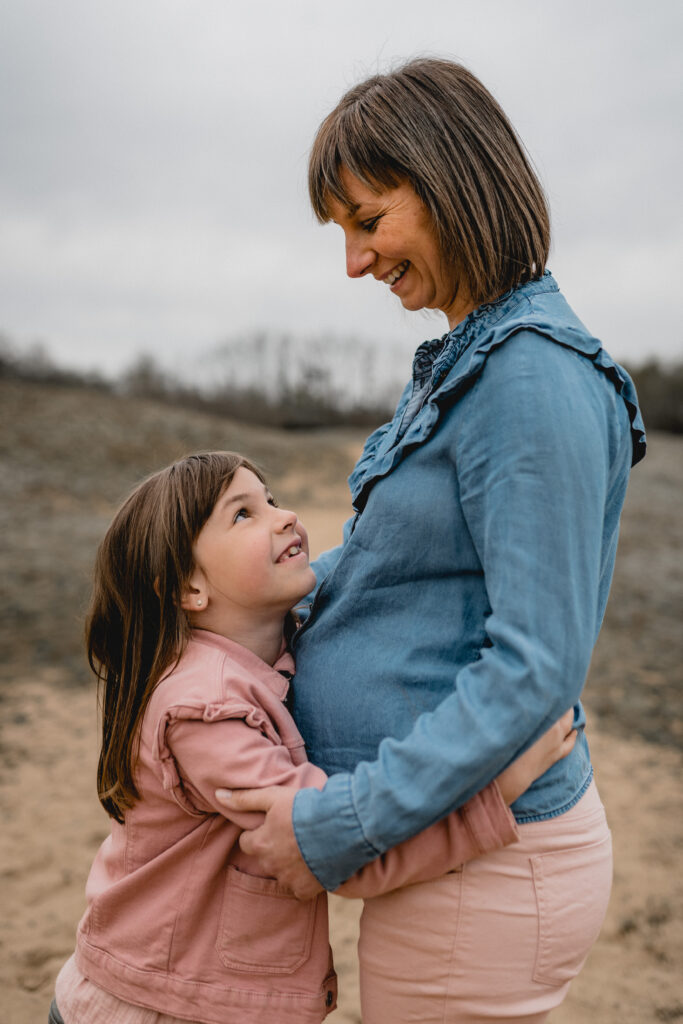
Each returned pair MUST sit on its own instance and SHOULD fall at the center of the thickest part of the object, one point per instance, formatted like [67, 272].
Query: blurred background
[164, 287]
[153, 178]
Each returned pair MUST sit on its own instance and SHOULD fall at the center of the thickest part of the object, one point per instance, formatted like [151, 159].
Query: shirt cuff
[329, 833]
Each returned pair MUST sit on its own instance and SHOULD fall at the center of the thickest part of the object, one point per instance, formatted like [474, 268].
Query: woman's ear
[195, 596]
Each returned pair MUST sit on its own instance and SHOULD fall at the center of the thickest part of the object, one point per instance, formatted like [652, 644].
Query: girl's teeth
[393, 277]
[293, 550]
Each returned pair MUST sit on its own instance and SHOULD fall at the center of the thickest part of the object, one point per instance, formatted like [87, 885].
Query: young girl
[194, 583]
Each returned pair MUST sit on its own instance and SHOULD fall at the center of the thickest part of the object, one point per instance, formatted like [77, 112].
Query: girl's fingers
[568, 743]
[566, 722]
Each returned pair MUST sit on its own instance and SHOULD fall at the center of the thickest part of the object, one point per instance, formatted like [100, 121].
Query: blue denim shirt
[456, 622]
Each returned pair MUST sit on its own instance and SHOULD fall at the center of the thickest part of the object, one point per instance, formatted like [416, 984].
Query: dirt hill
[67, 457]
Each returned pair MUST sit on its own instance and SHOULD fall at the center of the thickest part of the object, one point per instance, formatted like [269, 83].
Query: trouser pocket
[572, 889]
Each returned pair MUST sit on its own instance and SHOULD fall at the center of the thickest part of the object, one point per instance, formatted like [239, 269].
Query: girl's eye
[241, 514]
[273, 501]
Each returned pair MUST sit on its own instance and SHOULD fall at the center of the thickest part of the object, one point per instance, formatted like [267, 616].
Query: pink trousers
[498, 940]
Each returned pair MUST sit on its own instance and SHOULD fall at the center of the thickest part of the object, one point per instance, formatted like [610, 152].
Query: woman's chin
[412, 305]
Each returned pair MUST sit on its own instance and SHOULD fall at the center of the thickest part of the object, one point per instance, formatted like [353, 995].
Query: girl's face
[390, 235]
[251, 557]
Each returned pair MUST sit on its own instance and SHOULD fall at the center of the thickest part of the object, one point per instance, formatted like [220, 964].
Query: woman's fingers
[248, 799]
[273, 842]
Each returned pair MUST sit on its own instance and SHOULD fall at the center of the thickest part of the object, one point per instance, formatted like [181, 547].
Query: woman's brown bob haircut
[433, 124]
[136, 628]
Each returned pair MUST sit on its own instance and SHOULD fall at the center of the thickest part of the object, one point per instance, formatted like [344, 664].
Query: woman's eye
[370, 225]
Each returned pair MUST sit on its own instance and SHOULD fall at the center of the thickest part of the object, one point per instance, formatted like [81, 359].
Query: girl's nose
[287, 520]
[359, 257]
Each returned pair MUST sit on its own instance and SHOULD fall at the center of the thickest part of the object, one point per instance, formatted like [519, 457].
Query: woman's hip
[499, 939]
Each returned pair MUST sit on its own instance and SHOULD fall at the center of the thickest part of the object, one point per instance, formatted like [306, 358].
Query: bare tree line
[296, 384]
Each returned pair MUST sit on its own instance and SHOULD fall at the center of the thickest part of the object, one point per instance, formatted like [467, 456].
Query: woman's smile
[397, 274]
[390, 235]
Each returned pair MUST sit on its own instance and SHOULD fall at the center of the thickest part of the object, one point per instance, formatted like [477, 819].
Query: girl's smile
[292, 551]
[251, 564]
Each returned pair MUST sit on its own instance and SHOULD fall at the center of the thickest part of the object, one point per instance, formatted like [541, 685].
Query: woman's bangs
[347, 144]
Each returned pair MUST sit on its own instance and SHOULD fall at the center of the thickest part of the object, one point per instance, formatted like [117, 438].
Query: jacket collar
[276, 677]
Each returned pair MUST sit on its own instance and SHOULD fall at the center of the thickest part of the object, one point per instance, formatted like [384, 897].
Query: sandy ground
[53, 822]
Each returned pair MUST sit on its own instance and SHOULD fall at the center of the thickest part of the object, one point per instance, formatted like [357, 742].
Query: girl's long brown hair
[136, 628]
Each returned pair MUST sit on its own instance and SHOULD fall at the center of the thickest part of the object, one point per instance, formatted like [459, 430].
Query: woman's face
[390, 235]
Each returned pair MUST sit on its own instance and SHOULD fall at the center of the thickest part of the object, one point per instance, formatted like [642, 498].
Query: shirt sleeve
[232, 754]
[483, 824]
[530, 442]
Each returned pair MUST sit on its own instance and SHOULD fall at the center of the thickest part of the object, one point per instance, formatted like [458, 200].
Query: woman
[458, 618]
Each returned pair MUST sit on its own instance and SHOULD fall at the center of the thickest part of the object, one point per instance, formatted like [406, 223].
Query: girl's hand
[555, 744]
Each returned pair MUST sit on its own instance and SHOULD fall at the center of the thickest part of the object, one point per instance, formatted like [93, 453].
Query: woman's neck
[456, 313]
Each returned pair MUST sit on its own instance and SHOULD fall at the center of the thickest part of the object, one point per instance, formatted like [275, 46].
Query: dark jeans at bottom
[54, 1016]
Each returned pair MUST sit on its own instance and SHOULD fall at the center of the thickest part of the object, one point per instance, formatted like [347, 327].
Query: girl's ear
[195, 596]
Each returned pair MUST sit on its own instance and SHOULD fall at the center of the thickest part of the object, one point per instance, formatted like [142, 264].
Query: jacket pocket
[572, 892]
[263, 929]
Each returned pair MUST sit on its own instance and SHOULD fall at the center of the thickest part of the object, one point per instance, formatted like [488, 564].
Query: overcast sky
[153, 164]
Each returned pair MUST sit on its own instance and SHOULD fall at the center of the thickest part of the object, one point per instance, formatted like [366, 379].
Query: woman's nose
[359, 257]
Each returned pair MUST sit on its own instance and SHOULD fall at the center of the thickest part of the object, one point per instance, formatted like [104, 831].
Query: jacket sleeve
[201, 756]
[483, 824]
[233, 754]
[536, 441]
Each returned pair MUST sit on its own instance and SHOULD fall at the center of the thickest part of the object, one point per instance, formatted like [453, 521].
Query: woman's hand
[273, 843]
[553, 745]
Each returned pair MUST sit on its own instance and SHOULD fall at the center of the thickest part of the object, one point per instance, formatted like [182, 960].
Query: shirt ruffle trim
[463, 360]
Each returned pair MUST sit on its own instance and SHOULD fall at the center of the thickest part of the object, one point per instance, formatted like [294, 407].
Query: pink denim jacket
[179, 919]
